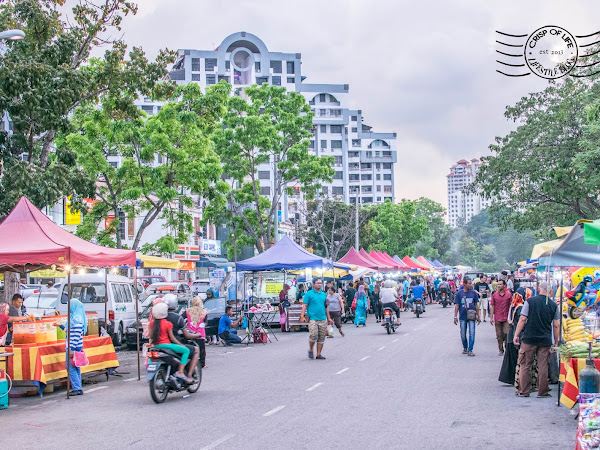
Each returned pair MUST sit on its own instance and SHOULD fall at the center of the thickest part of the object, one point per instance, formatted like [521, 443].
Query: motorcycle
[417, 307]
[162, 366]
[389, 318]
[349, 316]
[444, 298]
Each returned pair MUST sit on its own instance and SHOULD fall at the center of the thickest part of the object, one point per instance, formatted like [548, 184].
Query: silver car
[41, 304]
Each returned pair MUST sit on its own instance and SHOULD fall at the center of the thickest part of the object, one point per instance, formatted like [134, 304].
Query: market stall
[31, 241]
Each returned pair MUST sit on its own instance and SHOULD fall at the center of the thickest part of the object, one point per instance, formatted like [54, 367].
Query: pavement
[413, 389]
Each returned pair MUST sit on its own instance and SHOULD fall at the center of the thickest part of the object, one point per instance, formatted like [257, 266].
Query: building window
[290, 67]
[261, 80]
[325, 190]
[353, 177]
[336, 144]
[337, 190]
[378, 199]
[355, 142]
[211, 79]
[387, 189]
[257, 66]
[224, 78]
[354, 118]
[291, 80]
[369, 154]
[387, 154]
[311, 144]
[323, 128]
[264, 175]
[365, 166]
[367, 199]
[227, 65]
[276, 81]
[366, 176]
[195, 64]
[378, 177]
[336, 129]
[323, 143]
[337, 161]
[378, 188]
[353, 154]
[322, 98]
[338, 176]
[276, 66]
[195, 77]
[209, 64]
[387, 166]
[148, 109]
[354, 130]
[265, 190]
[387, 177]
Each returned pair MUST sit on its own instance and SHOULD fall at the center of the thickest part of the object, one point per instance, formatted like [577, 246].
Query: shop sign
[71, 218]
[109, 220]
[188, 253]
[188, 265]
[210, 247]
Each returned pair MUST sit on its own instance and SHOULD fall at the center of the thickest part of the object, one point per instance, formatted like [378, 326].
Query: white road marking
[228, 353]
[342, 371]
[396, 340]
[312, 388]
[273, 411]
[246, 348]
[366, 357]
[217, 442]
[87, 391]
[131, 379]
[380, 348]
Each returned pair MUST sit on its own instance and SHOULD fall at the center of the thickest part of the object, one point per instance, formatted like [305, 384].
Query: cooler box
[3, 391]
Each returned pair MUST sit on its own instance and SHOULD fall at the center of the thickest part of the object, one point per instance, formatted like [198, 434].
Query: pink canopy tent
[30, 241]
[424, 262]
[354, 257]
[385, 257]
[383, 267]
[378, 257]
[410, 263]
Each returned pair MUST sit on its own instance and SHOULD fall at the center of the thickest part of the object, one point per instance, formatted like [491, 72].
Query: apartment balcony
[329, 113]
[384, 157]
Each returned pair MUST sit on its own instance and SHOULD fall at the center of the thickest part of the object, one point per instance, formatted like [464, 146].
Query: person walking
[284, 303]
[483, 289]
[466, 309]
[335, 303]
[405, 289]
[314, 304]
[540, 320]
[362, 304]
[375, 301]
[499, 307]
[508, 370]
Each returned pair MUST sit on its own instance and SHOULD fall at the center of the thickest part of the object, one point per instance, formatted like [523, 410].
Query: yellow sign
[273, 288]
[71, 218]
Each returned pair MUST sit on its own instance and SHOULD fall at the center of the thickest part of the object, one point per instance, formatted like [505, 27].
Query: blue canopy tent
[438, 264]
[284, 255]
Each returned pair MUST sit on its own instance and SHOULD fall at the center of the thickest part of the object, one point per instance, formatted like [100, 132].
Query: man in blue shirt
[418, 294]
[227, 329]
[405, 287]
[314, 304]
[467, 300]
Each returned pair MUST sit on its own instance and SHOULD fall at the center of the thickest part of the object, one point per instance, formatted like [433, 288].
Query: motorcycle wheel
[394, 329]
[418, 314]
[445, 304]
[158, 386]
[345, 319]
[387, 327]
[197, 379]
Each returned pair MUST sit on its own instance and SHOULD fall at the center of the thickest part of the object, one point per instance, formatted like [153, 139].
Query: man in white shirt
[388, 297]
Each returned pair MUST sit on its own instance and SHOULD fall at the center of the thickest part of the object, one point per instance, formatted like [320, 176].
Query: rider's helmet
[160, 311]
[171, 301]
[587, 279]
[388, 284]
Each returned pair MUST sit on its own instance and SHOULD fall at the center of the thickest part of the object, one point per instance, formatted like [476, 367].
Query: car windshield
[41, 301]
[86, 292]
[201, 287]
[216, 305]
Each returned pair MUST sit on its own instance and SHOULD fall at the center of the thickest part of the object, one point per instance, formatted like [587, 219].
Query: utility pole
[356, 239]
[276, 199]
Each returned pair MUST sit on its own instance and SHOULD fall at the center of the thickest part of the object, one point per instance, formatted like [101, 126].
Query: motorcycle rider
[180, 331]
[418, 294]
[388, 297]
[444, 287]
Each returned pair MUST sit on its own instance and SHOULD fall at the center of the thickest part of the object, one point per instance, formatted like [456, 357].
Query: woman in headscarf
[196, 323]
[509, 370]
[362, 303]
[284, 303]
[77, 330]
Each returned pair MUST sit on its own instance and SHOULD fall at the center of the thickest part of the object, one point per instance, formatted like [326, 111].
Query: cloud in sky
[425, 70]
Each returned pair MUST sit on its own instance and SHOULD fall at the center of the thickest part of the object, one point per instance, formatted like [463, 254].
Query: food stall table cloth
[569, 375]
[45, 363]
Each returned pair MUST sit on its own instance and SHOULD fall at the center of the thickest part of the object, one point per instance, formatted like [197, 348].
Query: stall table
[44, 363]
[259, 319]
[569, 375]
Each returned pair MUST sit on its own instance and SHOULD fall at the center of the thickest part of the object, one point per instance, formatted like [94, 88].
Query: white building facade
[463, 206]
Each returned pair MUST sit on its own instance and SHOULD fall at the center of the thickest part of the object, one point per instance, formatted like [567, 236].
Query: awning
[538, 249]
[48, 273]
[157, 262]
[214, 261]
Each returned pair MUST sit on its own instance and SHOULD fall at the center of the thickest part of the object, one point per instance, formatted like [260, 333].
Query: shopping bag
[282, 319]
[80, 359]
[330, 330]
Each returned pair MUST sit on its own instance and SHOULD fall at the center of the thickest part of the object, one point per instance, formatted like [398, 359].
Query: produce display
[589, 421]
[575, 331]
[43, 331]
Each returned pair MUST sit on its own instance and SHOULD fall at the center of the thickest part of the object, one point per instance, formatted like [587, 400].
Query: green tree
[267, 125]
[435, 242]
[165, 159]
[395, 228]
[540, 174]
[47, 75]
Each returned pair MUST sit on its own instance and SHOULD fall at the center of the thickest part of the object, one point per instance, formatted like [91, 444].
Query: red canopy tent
[378, 257]
[410, 263]
[384, 267]
[422, 260]
[354, 257]
[30, 241]
[385, 257]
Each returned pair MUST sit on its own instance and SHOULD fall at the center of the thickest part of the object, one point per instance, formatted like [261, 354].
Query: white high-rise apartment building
[463, 206]
[364, 160]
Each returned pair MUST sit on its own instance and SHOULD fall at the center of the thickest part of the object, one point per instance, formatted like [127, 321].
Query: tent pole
[106, 298]
[137, 319]
[68, 333]
[560, 331]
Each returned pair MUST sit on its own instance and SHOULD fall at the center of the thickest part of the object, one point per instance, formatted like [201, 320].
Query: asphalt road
[410, 390]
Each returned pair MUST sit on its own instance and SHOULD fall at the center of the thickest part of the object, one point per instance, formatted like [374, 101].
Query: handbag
[471, 314]
[80, 359]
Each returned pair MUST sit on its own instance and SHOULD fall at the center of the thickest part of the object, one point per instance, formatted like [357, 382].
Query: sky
[425, 70]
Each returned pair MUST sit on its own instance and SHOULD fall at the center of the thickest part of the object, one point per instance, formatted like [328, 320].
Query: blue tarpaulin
[284, 255]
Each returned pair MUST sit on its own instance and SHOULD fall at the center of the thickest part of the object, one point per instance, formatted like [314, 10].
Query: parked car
[147, 280]
[92, 291]
[180, 288]
[215, 308]
[199, 287]
[30, 289]
[41, 304]
[130, 336]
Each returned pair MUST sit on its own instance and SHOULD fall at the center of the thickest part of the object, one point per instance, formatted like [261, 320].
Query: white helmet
[388, 284]
[171, 301]
[160, 311]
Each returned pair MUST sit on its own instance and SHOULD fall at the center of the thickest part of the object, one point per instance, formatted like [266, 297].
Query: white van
[91, 290]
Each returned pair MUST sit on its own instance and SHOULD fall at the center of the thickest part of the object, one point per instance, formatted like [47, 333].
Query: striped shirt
[76, 337]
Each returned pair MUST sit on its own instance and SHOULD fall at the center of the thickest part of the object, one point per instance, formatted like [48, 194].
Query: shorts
[337, 318]
[317, 330]
[484, 303]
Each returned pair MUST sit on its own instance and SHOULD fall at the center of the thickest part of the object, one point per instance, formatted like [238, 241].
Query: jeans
[463, 334]
[231, 337]
[74, 375]
[412, 300]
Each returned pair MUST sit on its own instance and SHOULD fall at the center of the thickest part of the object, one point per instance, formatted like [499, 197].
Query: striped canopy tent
[424, 262]
[421, 266]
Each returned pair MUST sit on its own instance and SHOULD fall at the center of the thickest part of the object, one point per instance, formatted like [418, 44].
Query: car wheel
[118, 337]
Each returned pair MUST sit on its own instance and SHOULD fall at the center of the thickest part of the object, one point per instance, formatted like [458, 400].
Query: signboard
[216, 277]
[273, 288]
[188, 253]
[188, 265]
[210, 247]
[89, 202]
[71, 218]
[109, 219]
[308, 273]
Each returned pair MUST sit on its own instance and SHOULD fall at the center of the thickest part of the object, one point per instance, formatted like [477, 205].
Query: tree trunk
[11, 285]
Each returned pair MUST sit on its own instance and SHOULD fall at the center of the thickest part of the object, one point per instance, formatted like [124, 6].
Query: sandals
[311, 355]
[321, 357]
